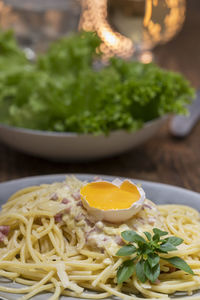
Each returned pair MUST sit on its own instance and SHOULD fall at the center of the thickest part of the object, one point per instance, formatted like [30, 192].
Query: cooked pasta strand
[54, 246]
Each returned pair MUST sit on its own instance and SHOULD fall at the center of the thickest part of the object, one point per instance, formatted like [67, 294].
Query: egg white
[116, 215]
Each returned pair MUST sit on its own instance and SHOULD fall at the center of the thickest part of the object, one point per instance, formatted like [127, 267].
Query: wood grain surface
[162, 159]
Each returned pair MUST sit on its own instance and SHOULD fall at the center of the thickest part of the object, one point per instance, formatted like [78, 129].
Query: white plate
[71, 146]
[157, 192]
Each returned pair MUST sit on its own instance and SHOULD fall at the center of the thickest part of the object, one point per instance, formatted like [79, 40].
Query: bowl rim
[74, 134]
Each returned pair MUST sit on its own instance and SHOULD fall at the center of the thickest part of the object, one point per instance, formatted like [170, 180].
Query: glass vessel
[133, 27]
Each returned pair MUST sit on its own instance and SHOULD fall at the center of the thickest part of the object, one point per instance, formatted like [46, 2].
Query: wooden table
[163, 158]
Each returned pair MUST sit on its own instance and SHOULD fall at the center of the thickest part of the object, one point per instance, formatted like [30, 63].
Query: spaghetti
[49, 243]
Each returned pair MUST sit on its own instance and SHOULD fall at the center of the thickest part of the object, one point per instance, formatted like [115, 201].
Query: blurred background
[164, 31]
[128, 28]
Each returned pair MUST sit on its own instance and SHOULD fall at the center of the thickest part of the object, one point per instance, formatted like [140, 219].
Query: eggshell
[116, 215]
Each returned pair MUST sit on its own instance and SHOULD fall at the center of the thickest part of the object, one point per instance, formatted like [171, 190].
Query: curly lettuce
[63, 91]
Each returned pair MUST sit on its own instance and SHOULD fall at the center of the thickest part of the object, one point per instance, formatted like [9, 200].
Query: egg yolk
[105, 195]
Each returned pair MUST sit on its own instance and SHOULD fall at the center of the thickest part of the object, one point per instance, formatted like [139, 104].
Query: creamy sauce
[102, 235]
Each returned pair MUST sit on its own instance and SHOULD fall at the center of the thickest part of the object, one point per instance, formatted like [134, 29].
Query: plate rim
[159, 184]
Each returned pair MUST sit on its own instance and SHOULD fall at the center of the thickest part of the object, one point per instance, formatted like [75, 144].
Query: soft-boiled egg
[115, 201]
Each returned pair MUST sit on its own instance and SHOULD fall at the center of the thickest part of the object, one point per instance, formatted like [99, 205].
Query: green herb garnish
[147, 255]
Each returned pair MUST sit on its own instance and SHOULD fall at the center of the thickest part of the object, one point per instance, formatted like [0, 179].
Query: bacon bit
[4, 230]
[68, 209]
[54, 197]
[105, 239]
[80, 203]
[172, 269]
[148, 206]
[2, 237]
[58, 217]
[65, 201]
[119, 240]
[76, 196]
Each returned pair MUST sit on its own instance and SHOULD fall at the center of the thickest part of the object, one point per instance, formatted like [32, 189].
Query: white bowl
[76, 147]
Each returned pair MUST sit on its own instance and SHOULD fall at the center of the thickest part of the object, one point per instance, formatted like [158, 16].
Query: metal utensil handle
[181, 126]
